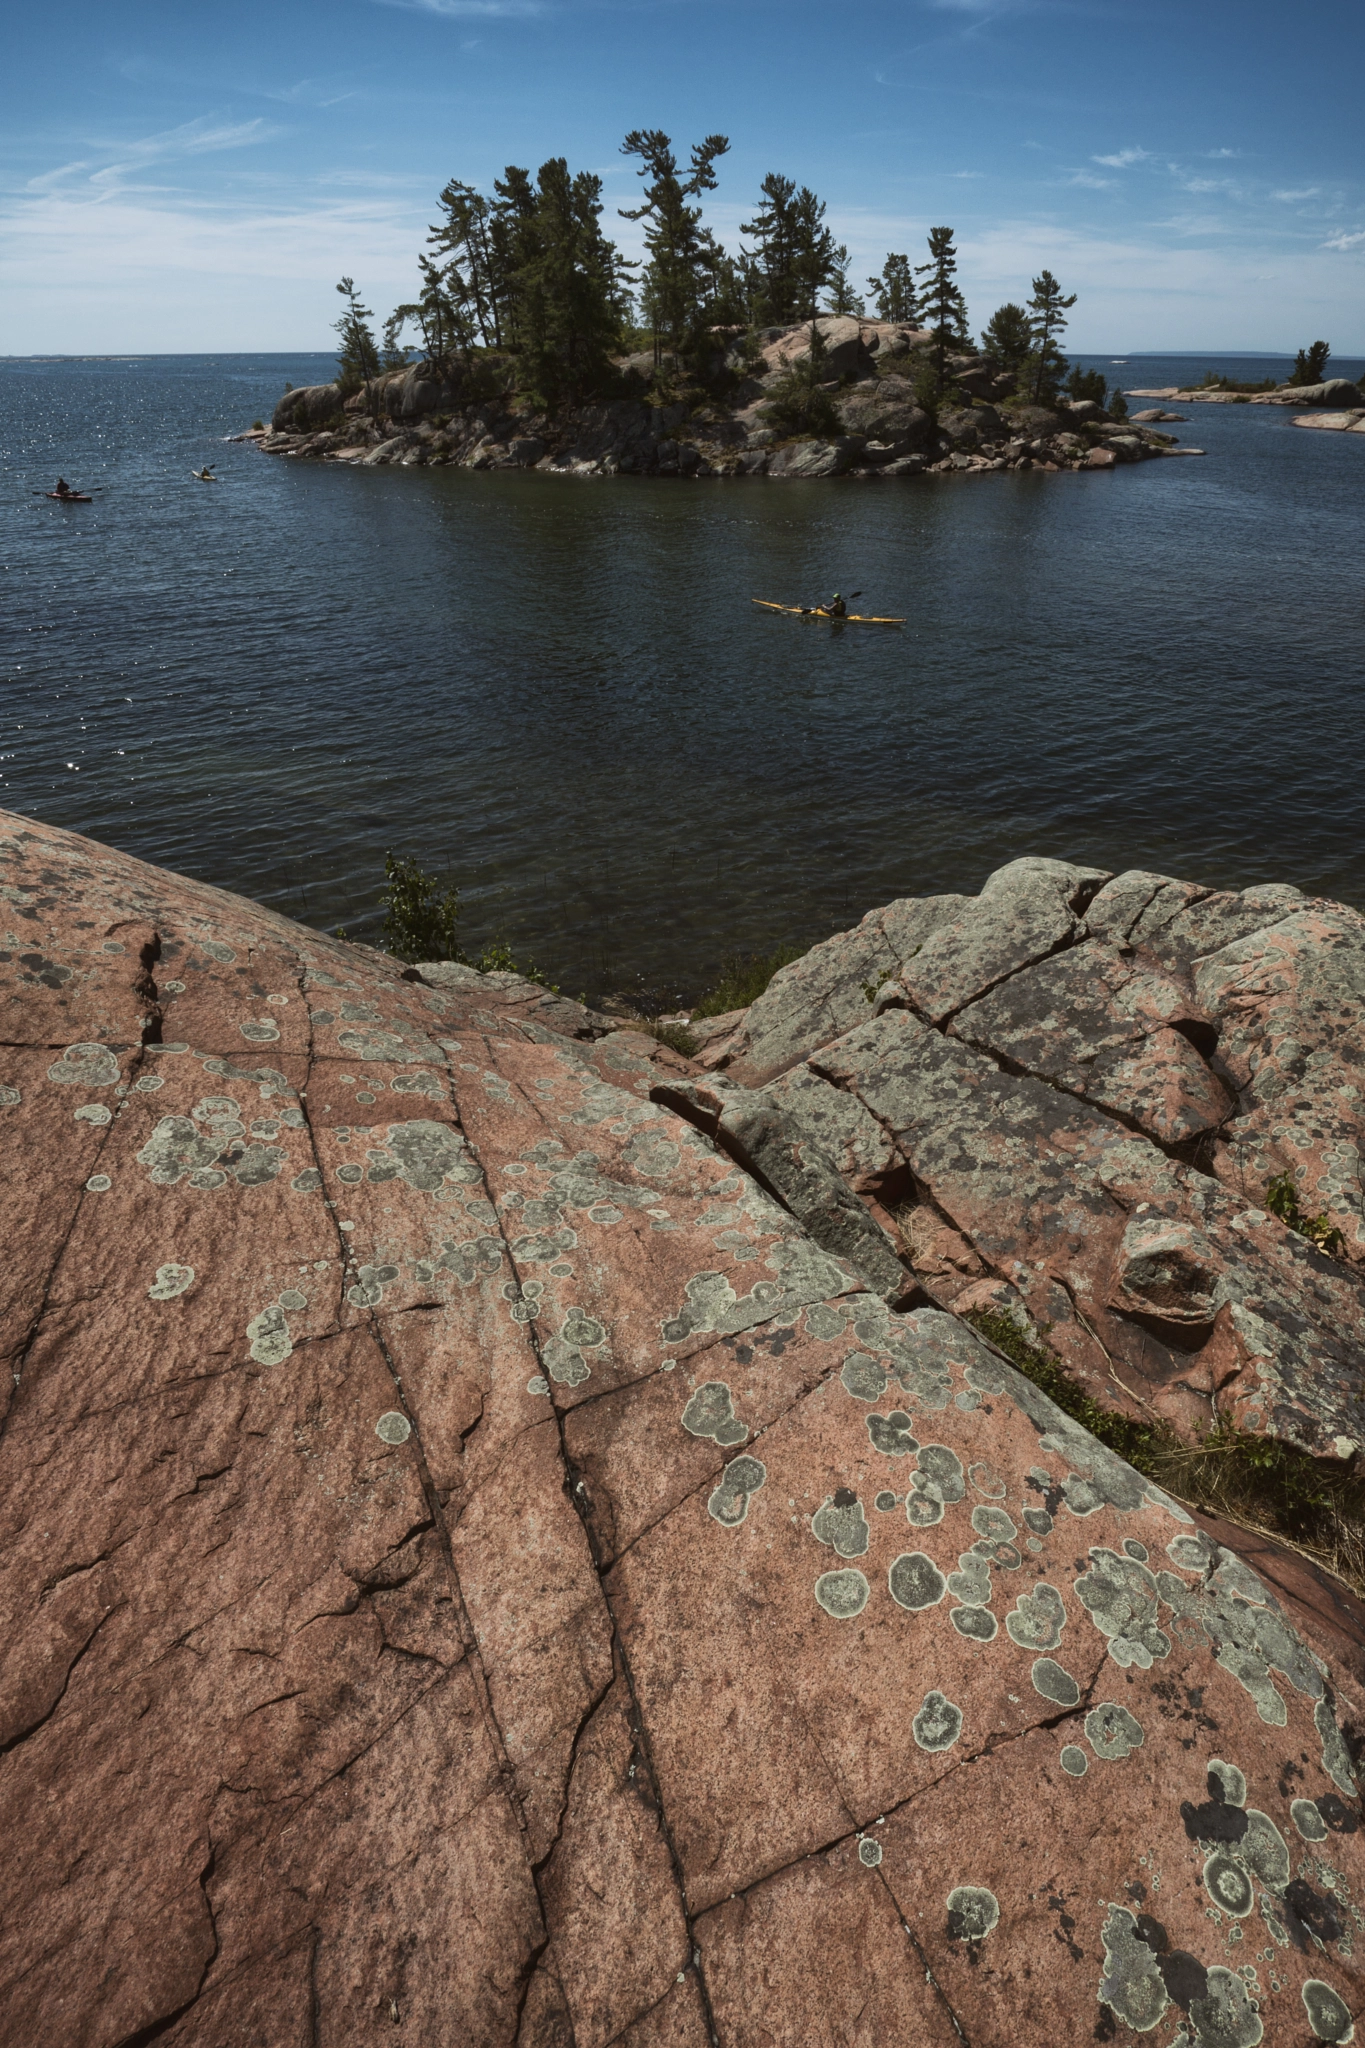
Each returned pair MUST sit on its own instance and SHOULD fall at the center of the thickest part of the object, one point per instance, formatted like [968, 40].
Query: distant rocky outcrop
[1336, 391]
[419, 417]
[502, 1544]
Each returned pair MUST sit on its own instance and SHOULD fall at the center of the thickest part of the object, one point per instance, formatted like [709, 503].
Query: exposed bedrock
[489, 1558]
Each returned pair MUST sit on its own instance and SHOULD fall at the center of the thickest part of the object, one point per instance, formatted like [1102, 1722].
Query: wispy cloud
[1212, 154]
[1298, 192]
[1090, 181]
[307, 93]
[1121, 158]
[1353, 240]
[965, 174]
[472, 10]
[1188, 184]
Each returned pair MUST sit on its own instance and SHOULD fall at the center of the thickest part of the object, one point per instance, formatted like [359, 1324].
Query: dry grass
[1256, 1482]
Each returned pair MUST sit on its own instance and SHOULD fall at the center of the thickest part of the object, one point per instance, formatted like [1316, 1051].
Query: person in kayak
[836, 608]
[205, 475]
[63, 489]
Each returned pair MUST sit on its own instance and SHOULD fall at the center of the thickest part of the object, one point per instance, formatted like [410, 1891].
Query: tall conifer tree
[942, 304]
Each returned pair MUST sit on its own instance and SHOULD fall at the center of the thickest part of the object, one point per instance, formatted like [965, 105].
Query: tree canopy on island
[528, 273]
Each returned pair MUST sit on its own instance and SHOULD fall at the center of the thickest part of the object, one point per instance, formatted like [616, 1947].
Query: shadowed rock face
[476, 1568]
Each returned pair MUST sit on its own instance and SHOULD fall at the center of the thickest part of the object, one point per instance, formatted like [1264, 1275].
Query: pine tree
[473, 276]
[358, 354]
[842, 297]
[569, 291]
[814, 261]
[1049, 309]
[769, 271]
[1008, 336]
[1309, 364]
[393, 355]
[942, 304]
[894, 291]
[683, 256]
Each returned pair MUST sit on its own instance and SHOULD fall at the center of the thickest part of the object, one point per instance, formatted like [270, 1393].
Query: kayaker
[836, 607]
[63, 489]
[205, 475]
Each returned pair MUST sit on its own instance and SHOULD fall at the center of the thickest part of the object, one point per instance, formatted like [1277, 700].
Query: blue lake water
[558, 692]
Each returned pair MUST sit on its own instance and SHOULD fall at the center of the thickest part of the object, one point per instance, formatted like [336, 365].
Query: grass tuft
[1255, 1482]
[1282, 1200]
[743, 978]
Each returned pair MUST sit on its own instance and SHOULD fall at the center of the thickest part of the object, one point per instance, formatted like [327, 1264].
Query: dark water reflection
[559, 691]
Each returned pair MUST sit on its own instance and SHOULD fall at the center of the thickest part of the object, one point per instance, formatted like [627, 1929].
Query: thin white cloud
[1189, 184]
[1215, 153]
[1346, 241]
[1121, 158]
[1298, 192]
[48, 179]
[472, 10]
[1090, 181]
[965, 174]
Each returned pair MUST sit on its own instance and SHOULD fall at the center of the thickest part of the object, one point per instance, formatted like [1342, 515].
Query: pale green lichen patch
[393, 1428]
[973, 1913]
[170, 1281]
[268, 1335]
[842, 1524]
[739, 1482]
[842, 1594]
[97, 1113]
[1328, 2014]
[1112, 1732]
[916, 1581]
[1120, 1597]
[938, 1723]
[711, 1413]
[869, 1853]
[1038, 1619]
[85, 1066]
[1074, 1761]
[1055, 1684]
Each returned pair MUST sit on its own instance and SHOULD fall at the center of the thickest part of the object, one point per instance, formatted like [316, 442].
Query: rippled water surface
[559, 693]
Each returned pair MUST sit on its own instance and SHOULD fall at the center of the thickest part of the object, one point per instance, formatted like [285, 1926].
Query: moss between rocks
[1253, 1481]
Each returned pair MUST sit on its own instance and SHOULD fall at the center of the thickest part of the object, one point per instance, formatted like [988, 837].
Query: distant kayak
[815, 611]
[203, 476]
[70, 497]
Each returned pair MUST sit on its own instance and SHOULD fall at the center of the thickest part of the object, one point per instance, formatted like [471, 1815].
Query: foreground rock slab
[477, 1568]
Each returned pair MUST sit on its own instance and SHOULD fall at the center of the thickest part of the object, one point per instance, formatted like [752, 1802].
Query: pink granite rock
[473, 1568]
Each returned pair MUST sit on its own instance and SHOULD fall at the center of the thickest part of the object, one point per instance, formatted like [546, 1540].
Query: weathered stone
[1290, 1001]
[1050, 1192]
[1116, 1034]
[814, 458]
[784, 1150]
[472, 1567]
[819, 996]
[1025, 911]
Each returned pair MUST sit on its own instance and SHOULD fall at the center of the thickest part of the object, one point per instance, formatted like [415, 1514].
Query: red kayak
[70, 497]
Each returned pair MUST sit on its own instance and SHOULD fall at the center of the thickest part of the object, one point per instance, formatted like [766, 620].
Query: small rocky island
[872, 371]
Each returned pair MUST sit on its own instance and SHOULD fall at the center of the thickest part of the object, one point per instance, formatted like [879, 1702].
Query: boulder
[815, 458]
[477, 1567]
[887, 412]
[845, 353]
[1335, 391]
[308, 407]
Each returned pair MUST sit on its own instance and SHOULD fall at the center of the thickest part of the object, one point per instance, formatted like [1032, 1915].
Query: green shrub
[1282, 1200]
[420, 920]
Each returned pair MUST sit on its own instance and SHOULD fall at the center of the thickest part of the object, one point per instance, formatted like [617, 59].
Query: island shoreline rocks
[419, 418]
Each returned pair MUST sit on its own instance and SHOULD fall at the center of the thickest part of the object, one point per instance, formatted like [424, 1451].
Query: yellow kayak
[805, 611]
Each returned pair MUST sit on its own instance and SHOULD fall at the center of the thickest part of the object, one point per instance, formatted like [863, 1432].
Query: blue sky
[178, 177]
